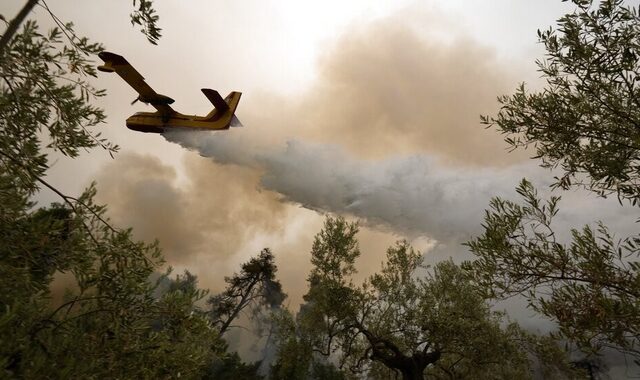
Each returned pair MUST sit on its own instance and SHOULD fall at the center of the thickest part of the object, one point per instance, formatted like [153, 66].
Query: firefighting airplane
[221, 117]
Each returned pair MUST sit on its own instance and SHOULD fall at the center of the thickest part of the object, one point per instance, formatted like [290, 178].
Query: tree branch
[14, 24]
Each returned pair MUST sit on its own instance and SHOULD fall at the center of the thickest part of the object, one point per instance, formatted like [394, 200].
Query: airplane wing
[114, 62]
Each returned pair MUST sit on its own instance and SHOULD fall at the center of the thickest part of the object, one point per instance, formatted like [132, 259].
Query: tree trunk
[412, 372]
[15, 23]
[386, 352]
[411, 367]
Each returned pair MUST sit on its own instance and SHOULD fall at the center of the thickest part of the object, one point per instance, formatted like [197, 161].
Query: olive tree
[586, 120]
[589, 285]
[111, 323]
[254, 289]
[585, 123]
[406, 319]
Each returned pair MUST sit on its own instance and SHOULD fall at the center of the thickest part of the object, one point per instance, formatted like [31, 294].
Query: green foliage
[44, 101]
[231, 367]
[294, 354]
[295, 357]
[586, 121]
[412, 321]
[255, 289]
[112, 323]
[587, 118]
[589, 286]
[145, 16]
[334, 252]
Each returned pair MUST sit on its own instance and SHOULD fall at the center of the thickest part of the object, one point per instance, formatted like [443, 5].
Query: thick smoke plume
[413, 195]
[388, 133]
[200, 225]
[375, 135]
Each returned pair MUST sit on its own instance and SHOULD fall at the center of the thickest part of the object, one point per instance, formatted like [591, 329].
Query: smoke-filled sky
[367, 109]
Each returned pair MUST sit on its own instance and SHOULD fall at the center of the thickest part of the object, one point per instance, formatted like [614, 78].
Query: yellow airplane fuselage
[156, 122]
[153, 122]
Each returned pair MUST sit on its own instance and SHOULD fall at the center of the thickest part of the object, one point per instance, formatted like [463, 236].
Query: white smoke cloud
[413, 195]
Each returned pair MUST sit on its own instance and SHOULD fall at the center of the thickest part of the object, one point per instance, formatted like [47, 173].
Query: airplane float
[221, 117]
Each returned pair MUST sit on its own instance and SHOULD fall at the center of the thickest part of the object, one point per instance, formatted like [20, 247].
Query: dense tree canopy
[255, 289]
[586, 120]
[590, 286]
[405, 319]
[111, 320]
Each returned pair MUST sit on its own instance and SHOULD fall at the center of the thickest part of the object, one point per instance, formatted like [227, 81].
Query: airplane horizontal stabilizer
[215, 99]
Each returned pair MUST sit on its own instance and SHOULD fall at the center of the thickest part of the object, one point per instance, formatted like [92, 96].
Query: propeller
[139, 98]
[155, 100]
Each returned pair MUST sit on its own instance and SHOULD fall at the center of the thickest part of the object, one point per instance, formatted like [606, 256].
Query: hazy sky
[364, 108]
